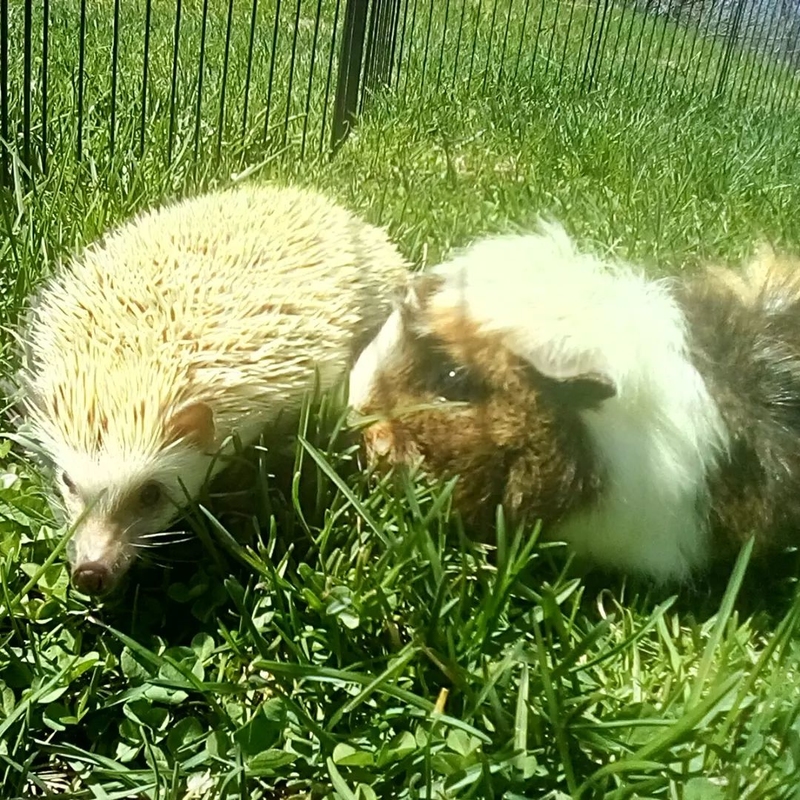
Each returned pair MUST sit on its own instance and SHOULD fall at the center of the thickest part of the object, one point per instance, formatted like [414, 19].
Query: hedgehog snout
[100, 555]
[92, 577]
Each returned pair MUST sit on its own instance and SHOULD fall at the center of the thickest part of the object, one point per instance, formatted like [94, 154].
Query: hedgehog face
[117, 504]
[118, 498]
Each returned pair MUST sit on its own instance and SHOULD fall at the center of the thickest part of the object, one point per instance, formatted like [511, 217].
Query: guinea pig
[652, 424]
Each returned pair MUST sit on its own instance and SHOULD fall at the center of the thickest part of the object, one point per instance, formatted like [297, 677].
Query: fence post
[349, 77]
[362, 69]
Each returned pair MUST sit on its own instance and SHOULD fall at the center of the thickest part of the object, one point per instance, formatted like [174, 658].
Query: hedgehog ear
[192, 422]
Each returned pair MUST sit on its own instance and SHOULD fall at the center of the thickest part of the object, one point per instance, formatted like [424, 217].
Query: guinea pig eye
[150, 495]
[454, 382]
[438, 374]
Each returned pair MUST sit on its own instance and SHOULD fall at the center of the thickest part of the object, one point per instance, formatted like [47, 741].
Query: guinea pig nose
[93, 577]
[379, 440]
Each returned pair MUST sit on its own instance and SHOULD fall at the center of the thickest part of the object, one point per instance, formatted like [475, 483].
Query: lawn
[344, 638]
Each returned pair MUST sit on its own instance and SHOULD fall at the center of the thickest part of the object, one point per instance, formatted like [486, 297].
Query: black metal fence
[197, 78]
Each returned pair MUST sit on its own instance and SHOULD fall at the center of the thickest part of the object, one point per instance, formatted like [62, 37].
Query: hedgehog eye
[150, 495]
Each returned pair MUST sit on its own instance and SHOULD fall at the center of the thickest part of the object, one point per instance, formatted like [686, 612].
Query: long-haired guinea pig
[651, 424]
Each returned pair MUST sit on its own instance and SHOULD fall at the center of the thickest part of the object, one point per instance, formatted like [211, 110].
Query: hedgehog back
[232, 298]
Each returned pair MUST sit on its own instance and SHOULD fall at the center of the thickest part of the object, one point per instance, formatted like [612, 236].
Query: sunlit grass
[345, 639]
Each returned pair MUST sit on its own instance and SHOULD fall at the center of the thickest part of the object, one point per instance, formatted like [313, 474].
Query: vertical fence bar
[474, 41]
[629, 37]
[600, 49]
[381, 60]
[615, 46]
[744, 48]
[679, 58]
[272, 60]
[428, 42]
[224, 87]
[697, 36]
[388, 37]
[248, 76]
[489, 48]
[174, 83]
[712, 60]
[329, 77]
[27, 88]
[81, 60]
[590, 46]
[721, 75]
[775, 70]
[45, 62]
[458, 37]
[522, 35]
[145, 69]
[766, 61]
[346, 98]
[400, 50]
[583, 39]
[114, 73]
[393, 34]
[566, 41]
[201, 61]
[536, 39]
[444, 37]
[660, 47]
[505, 41]
[290, 85]
[774, 67]
[646, 57]
[675, 25]
[410, 39]
[368, 59]
[4, 88]
[548, 57]
[377, 62]
[788, 87]
[314, 41]
[634, 71]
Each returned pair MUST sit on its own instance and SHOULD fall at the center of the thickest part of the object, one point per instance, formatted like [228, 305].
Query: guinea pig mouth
[385, 445]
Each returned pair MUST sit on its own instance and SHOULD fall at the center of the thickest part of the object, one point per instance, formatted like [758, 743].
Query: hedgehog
[182, 333]
[651, 424]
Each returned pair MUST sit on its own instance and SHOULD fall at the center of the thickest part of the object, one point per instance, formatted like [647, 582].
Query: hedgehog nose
[93, 577]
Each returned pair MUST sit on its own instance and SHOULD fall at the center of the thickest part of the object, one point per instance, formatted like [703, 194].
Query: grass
[345, 639]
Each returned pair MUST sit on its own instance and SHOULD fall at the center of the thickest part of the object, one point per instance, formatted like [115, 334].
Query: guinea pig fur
[651, 424]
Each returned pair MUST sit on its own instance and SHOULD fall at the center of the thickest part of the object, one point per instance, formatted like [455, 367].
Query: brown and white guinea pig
[651, 424]
[191, 325]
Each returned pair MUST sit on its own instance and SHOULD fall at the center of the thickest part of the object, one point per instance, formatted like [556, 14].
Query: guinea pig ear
[581, 391]
[573, 377]
[192, 422]
[420, 290]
